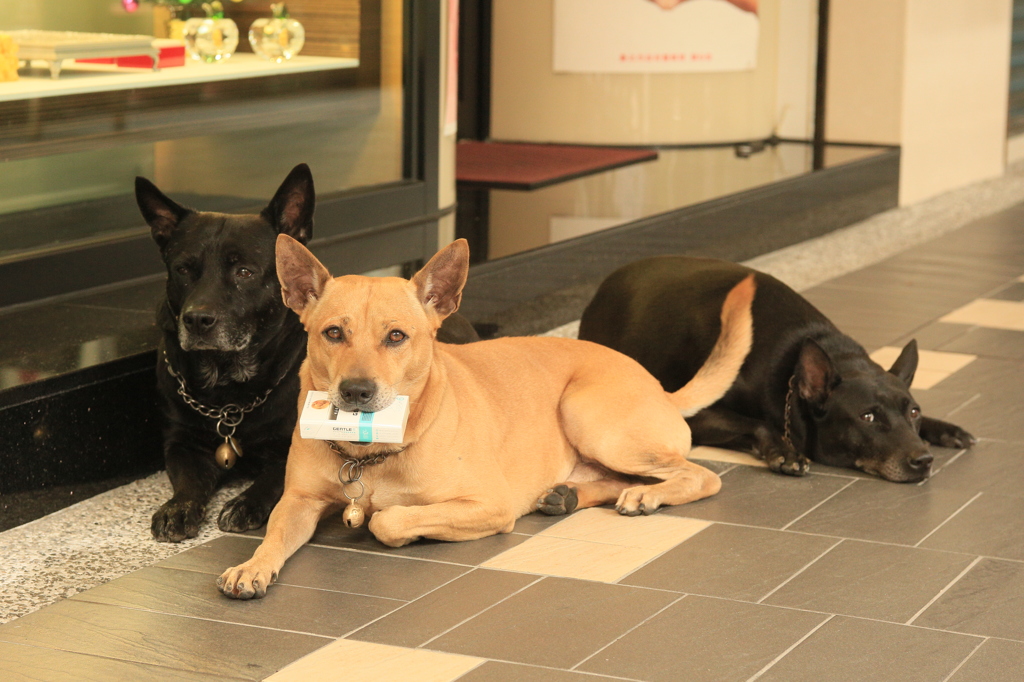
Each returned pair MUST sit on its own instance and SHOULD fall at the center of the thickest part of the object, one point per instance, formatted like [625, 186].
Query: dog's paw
[788, 462]
[388, 526]
[636, 501]
[243, 513]
[177, 520]
[559, 500]
[954, 437]
[246, 581]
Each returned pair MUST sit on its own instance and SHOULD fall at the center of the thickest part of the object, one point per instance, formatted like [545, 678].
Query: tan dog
[494, 426]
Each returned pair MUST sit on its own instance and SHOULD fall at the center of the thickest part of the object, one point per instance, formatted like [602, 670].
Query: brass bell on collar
[227, 453]
[354, 515]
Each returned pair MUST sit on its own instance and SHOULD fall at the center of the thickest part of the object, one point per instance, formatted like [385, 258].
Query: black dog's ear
[440, 282]
[905, 366]
[816, 376]
[161, 213]
[291, 209]
[302, 276]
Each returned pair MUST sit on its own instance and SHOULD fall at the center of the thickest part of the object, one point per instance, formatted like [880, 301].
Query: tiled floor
[836, 576]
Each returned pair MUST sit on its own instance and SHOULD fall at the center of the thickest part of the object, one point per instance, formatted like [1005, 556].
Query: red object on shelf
[172, 53]
[527, 166]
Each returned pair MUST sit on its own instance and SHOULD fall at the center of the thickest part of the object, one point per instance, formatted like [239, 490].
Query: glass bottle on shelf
[213, 38]
[278, 38]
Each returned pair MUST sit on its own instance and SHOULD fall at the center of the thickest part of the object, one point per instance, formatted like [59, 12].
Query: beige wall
[929, 75]
[863, 100]
[797, 69]
[956, 75]
[531, 103]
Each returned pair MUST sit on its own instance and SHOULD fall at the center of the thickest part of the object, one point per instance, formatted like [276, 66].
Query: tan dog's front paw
[246, 581]
[639, 500]
[389, 526]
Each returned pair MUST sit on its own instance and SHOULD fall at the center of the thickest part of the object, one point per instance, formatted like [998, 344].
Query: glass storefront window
[218, 136]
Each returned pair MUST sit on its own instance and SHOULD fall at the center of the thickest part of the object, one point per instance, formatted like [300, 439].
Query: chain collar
[787, 433]
[228, 416]
[351, 471]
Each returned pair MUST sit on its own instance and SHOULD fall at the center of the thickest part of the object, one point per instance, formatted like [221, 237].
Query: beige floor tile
[607, 526]
[720, 455]
[597, 544]
[990, 313]
[932, 366]
[573, 559]
[354, 661]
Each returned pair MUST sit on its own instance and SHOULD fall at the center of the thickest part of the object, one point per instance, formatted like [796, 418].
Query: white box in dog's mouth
[321, 420]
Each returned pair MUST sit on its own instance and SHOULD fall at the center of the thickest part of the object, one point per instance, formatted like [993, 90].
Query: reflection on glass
[519, 221]
[216, 136]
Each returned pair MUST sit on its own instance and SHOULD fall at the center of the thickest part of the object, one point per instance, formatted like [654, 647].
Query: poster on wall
[655, 36]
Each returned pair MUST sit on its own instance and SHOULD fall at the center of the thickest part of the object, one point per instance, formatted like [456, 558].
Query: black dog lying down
[227, 369]
[806, 391]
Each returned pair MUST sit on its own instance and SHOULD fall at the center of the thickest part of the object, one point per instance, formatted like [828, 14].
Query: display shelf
[78, 78]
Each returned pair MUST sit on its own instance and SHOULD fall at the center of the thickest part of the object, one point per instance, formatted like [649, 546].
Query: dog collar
[350, 473]
[228, 417]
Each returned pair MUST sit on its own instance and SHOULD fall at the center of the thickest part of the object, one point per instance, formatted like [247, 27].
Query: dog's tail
[718, 373]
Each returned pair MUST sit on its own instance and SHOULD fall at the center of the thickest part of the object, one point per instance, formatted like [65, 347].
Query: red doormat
[500, 165]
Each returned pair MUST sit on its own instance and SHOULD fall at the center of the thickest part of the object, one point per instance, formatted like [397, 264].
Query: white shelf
[77, 79]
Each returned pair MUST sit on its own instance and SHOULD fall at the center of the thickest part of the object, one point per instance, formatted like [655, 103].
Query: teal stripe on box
[366, 426]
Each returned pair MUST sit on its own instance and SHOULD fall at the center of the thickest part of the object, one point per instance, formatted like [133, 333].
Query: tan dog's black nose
[357, 391]
[198, 320]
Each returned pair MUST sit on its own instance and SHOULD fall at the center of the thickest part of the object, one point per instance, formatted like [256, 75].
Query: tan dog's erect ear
[439, 284]
[302, 276]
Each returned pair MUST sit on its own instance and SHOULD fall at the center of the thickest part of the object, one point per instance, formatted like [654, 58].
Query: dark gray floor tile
[938, 402]
[869, 651]
[990, 525]
[989, 601]
[874, 336]
[702, 639]
[498, 671]
[731, 561]
[755, 496]
[22, 663]
[988, 343]
[870, 580]
[999, 385]
[190, 644]
[934, 335]
[990, 467]
[333, 533]
[444, 608]
[716, 466]
[557, 622]
[878, 306]
[1014, 291]
[884, 511]
[992, 415]
[996, 661]
[325, 568]
[531, 524]
[188, 593]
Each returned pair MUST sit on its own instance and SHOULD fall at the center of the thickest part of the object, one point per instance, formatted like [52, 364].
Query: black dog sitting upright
[805, 391]
[227, 369]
